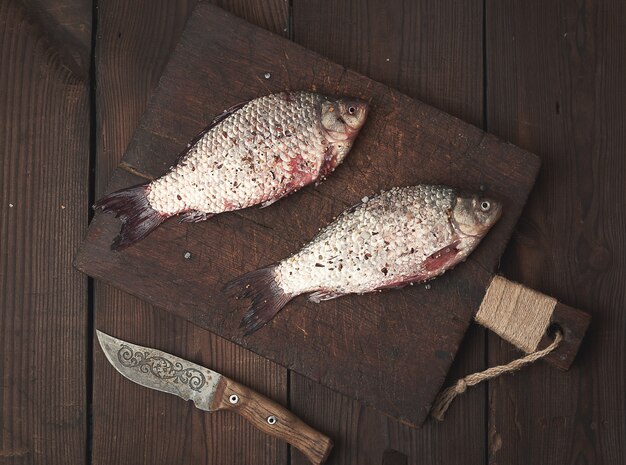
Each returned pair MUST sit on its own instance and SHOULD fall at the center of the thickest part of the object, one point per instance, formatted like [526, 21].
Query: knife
[212, 391]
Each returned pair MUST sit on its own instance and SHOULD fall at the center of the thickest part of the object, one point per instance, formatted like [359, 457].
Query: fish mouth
[498, 212]
[349, 126]
[466, 215]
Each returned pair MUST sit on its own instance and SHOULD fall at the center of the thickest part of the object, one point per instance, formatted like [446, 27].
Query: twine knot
[445, 397]
[461, 386]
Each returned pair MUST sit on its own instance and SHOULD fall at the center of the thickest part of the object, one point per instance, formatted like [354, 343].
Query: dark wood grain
[555, 86]
[572, 324]
[272, 15]
[273, 419]
[44, 139]
[431, 50]
[133, 424]
[393, 457]
[66, 25]
[131, 47]
[407, 142]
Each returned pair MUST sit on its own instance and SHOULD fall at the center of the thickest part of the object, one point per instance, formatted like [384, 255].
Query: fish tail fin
[268, 298]
[131, 205]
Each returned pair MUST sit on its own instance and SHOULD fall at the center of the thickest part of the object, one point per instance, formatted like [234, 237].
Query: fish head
[474, 215]
[343, 118]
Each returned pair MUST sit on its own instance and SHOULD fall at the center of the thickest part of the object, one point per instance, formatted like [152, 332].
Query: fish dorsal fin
[217, 120]
[222, 116]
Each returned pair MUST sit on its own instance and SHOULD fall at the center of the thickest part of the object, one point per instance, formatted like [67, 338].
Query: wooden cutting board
[391, 350]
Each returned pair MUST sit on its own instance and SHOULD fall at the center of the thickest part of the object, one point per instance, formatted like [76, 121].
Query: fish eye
[485, 205]
[351, 110]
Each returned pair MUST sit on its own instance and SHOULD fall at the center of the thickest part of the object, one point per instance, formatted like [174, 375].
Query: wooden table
[74, 80]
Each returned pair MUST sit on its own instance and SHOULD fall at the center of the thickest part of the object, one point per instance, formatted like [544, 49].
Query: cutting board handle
[528, 319]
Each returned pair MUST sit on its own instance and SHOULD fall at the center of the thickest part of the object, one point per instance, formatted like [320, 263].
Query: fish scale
[255, 153]
[402, 236]
[373, 243]
[227, 169]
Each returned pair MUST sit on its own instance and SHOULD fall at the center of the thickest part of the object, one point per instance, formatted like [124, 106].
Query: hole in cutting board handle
[507, 305]
[553, 329]
[573, 324]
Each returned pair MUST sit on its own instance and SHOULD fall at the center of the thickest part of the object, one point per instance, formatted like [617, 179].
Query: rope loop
[445, 397]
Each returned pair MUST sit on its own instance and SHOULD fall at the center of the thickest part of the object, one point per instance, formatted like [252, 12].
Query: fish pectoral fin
[329, 164]
[194, 216]
[218, 119]
[442, 259]
[433, 266]
[319, 296]
[225, 114]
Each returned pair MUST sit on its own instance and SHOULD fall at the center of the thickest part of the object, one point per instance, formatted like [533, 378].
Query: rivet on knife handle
[272, 418]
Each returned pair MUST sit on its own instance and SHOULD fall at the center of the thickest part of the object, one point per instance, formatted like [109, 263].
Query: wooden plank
[434, 54]
[436, 147]
[44, 134]
[555, 86]
[572, 324]
[133, 424]
[67, 25]
[431, 51]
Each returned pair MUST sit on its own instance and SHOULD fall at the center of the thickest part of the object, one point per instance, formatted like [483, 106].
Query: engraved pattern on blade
[161, 371]
[268, 148]
[381, 242]
[161, 367]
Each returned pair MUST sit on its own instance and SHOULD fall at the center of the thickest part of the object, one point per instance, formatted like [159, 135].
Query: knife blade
[211, 391]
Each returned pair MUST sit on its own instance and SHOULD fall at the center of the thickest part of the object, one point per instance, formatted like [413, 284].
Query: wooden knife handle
[272, 418]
